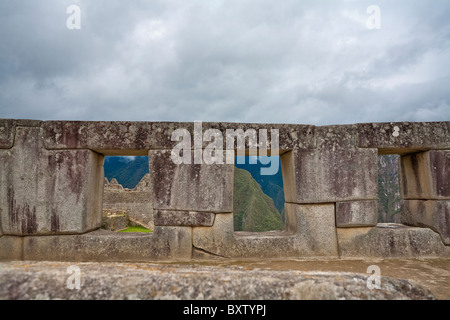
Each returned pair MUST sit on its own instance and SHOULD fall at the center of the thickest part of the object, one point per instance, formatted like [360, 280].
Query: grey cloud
[296, 62]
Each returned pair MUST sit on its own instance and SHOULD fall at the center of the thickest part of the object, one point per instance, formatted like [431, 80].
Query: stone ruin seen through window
[127, 205]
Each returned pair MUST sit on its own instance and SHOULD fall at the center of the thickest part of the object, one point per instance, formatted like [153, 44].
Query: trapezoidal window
[389, 198]
[258, 195]
[127, 205]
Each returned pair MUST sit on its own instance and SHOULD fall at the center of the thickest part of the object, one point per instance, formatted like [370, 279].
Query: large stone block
[217, 240]
[8, 130]
[190, 187]
[11, 248]
[115, 222]
[433, 214]
[290, 136]
[335, 171]
[112, 137]
[165, 243]
[404, 137]
[390, 241]
[315, 228]
[426, 175]
[119, 137]
[356, 213]
[183, 218]
[49, 192]
[175, 241]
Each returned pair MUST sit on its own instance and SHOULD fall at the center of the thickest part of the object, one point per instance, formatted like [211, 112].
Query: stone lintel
[117, 137]
[404, 137]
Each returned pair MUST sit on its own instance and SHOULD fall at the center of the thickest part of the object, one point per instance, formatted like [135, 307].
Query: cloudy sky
[311, 62]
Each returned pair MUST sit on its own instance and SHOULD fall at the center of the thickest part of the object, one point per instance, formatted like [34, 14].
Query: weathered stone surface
[310, 232]
[335, 171]
[314, 226]
[404, 137]
[112, 137]
[115, 222]
[426, 175]
[126, 281]
[267, 245]
[11, 248]
[164, 243]
[216, 240]
[133, 138]
[183, 218]
[136, 202]
[356, 213]
[389, 240]
[431, 214]
[190, 187]
[122, 137]
[28, 123]
[7, 132]
[291, 136]
[177, 239]
[48, 192]
[97, 135]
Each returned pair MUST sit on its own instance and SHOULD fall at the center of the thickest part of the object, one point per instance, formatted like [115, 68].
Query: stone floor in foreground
[433, 274]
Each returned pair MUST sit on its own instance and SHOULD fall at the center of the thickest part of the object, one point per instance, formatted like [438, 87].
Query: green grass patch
[136, 229]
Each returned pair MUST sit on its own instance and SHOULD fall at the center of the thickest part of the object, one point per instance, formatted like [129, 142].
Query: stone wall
[51, 188]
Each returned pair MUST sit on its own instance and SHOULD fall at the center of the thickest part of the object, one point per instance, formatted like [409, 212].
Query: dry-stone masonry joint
[52, 191]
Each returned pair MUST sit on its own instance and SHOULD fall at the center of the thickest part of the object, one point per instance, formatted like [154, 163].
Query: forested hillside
[253, 209]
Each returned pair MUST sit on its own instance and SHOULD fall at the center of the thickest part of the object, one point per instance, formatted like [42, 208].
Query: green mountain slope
[272, 185]
[127, 172]
[253, 210]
